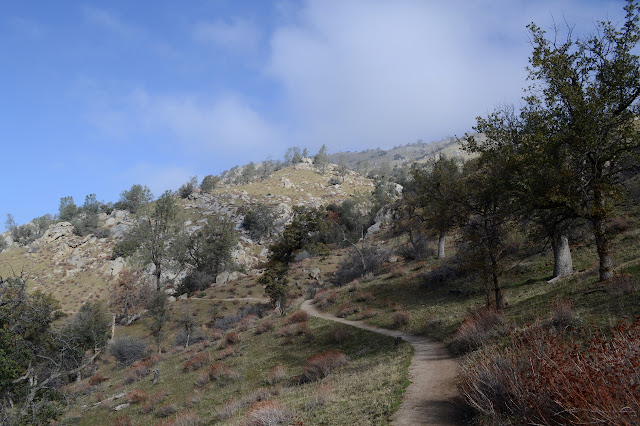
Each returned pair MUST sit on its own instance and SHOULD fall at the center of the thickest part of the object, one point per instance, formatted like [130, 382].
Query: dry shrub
[232, 338]
[321, 365]
[267, 413]
[226, 353]
[364, 296]
[432, 323]
[136, 373]
[368, 313]
[621, 284]
[341, 335]
[196, 362]
[320, 397]
[543, 378]
[480, 325]
[96, 379]
[265, 326]
[167, 410]
[401, 318]
[562, 315]
[276, 374]
[123, 420]
[218, 371]
[347, 309]
[128, 349]
[136, 396]
[229, 409]
[296, 317]
[216, 334]
[186, 418]
[324, 298]
[248, 322]
[153, 401]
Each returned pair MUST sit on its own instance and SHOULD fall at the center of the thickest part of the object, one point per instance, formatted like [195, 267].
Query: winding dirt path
[432, 397]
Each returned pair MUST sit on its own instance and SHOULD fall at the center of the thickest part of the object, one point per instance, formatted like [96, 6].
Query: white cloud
[109, 21]
[236, 35]
[363, 73]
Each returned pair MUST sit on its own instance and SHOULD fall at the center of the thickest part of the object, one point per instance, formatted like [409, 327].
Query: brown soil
[432, 397]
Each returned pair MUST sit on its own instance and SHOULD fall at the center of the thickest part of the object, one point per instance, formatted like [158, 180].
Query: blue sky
[97, 96]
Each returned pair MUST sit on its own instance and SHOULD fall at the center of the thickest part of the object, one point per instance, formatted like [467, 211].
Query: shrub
[368, 313]
[260, 221]
[276, 374]
[136, 373]
[128, 349]
[229, 409]
[196, 362]
[401, 318]
[136, 396]
[123, 420]
[440, 275]
[296, 317]
[232, 338]
[324, 298]
[348, 309]
[167, 410]
[265, 326]
[96, 379]
[321, 365]
[480, 325]
[182, 336]
[542, 378]
[562, 313]
[154, 400]
[124, 248]
[420, 248]
[247, 322]
[188, 188]
[183, 419]
[364, 297]
[218, 371]
[226, 353]
[267, 413]
[351, 267]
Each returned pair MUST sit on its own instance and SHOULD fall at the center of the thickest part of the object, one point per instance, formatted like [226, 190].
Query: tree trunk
[562, 262]
[497, 290]
[441, 240]
[158, 273]
[602, 245]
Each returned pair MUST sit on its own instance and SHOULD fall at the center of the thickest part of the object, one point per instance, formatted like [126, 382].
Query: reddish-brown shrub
[218, 370]
[364, 296]
[226, 353]
[248, 322]
[296, 317]
[276, 374]
[401, 318]
[186, 418]
[324, 298]
[153, 401]
[544, 378]
[216, 334]
[196, 361]
[321, 365]
[368, 313]
[123, 420]
[267, 413]
[342, 334]
[232, 338]
[265, 326]
[562, 313]
[96, 379]
[480, 325]
[167, 410]
[136, 373]
[347, 309]
[136, 396]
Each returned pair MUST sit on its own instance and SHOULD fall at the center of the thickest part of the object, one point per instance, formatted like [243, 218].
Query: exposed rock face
[57, 231]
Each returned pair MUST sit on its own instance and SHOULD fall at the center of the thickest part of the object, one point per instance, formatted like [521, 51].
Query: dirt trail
[432, 397]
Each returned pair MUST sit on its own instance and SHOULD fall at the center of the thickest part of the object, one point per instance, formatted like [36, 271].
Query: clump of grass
[276, 374]
[153, 401]
[562, 314]
[364, 296]
[265, 326]
[186, 418]
[229, 409]
[267, 413]
[401, 318]
[321, 365]
[136, 396]
[167, 410]
[218, 371]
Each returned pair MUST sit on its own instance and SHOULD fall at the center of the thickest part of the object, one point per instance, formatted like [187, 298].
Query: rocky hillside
[77, 269]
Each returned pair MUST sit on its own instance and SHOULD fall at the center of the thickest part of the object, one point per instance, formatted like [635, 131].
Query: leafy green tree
[209, 183]
[157, 225]
[157, 317]
[438, 188]
[67, 209]
[86, 220]
[133, 198]
[306, 224]
[293, 156]
[207, 251]
[259, 221]
[189, 187]
[321, 159]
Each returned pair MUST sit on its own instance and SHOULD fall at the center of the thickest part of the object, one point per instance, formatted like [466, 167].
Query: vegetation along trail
[432, 397]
